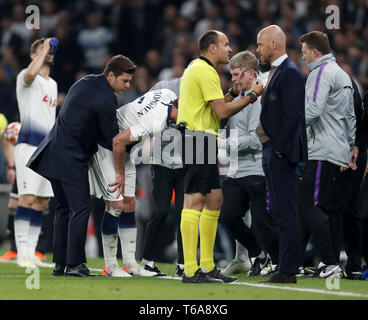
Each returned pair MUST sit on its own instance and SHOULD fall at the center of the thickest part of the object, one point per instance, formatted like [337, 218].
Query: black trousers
[242, 194]
[321, 204]
[164, 181]
[363, 213]
[73, 208]
[353, 220]
[282, 182]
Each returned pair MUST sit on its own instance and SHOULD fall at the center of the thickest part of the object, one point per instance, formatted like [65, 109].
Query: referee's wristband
[232, 92]
[10, 168]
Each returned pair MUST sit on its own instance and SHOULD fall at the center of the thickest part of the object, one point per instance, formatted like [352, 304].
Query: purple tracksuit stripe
[317, 182]
[317, 81]
[268, 201]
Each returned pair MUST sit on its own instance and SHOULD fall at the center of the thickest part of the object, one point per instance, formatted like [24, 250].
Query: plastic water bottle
[53, 44]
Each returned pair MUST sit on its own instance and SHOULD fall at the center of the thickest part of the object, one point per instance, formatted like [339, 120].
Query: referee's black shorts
[201, 170]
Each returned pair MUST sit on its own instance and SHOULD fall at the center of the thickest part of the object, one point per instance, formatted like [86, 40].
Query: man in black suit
[283, 136]
[88, 117]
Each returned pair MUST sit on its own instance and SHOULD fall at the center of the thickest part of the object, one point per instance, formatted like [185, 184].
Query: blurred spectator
[8, 99]
[153, 64]
[10, 63]
[166, 26]
[49, 17]
[9, 38]
[176, 70]
[212, 20]
[94, 40]
[178, 43]
[19, 26]
[68, 59]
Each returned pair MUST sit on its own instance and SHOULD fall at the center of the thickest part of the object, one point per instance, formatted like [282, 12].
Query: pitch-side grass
[17, 284]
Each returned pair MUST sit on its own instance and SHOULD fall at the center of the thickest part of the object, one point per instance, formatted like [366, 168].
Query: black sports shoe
[79, 271]
[154, 269]
[351, 275]
[200, 277]
[216, 274]
[258, 265]
[179, 272]
[59, 270]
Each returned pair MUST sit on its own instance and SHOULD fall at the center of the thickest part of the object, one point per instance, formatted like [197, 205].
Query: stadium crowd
[161, 37]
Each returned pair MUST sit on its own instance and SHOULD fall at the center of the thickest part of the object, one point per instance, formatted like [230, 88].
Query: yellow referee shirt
[199, 84]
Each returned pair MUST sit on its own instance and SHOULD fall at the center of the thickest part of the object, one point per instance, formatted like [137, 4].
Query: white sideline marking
[259, 285]
[328, 292]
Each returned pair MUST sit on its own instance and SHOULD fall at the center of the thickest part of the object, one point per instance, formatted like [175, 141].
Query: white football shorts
[28, 181]
[102, 173]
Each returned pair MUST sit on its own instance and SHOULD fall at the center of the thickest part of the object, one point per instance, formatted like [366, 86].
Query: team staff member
[330, 119]
[201, 106]
[283, 136]
[352, 220]
[245, 187]
[87, 117]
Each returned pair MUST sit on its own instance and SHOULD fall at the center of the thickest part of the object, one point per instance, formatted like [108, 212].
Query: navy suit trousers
[73, 208]
[282, 182]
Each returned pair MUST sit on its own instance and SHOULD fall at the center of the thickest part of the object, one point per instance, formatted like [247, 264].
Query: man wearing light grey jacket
[330, 120]
[245, 185]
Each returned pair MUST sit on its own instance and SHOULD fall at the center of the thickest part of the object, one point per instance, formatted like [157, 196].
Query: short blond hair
[35, 44]
[244, 59]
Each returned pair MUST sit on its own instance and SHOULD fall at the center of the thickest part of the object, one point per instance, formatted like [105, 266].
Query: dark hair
[316, 40]
[118, 65]
[210, 37]
[35, 44]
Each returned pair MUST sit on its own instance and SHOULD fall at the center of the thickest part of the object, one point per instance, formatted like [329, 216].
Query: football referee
[201, 107]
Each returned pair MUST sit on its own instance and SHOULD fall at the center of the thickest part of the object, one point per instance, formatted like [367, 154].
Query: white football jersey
[147, 114]
[37, 108]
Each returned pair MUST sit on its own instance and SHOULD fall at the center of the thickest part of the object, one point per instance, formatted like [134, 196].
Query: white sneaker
[138, 270]
[235, 267]
[325, 271]
[268, 270]
[116, 272]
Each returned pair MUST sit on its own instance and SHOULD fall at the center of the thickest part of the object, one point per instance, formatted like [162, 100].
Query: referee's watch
[252, 96]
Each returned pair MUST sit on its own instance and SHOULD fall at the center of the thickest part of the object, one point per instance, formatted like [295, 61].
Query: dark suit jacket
[283, 112]
[87, 117]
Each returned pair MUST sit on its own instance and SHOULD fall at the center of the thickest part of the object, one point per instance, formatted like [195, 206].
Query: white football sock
[110, 249]
[128, 239]
[33, 235]
[21, 228]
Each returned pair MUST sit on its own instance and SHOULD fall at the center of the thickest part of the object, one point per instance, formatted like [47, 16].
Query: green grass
[13, 287]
